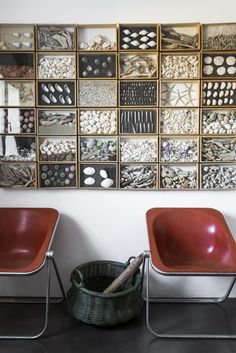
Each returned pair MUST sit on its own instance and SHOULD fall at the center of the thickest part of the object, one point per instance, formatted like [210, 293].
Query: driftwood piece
[125, 275]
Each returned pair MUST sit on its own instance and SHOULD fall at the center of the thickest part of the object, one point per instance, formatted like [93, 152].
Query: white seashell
[220, 101]
[89, 171]
[231, 101]
[208, 93]
[61, 99]
[222, 85]
[27, 44]
[28, 35]
[234, 85]
[83, 46]
[134, 35]
[67, 88]
[226, 100]
[228, 85]
[208, 102]
[151, 34]
[214, 102]
[58, 87]
[231, 93]
[51, 88]
[68, 99]
[16, 34]
[216, 85]
[53, 98]
[44, 88]
[46, 99]
[215, 94]
[209, 85]
[98, 39]
[207, 60]
[135, 43]
[218, 60]
[143, 32]
[91, 43]
[143, 46]
[126, 31]
[89, 181]
[103, 174]
[144, 39]
[226, 93]
[230, 60]
[106, 44]
[125, 46]
[126, 39]
[107, 183]
[204, 85]
[16, 45]
[152, 43]
[221, 94]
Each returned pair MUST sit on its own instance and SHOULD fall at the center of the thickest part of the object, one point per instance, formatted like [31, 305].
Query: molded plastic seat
[190, 240]
[25, 237]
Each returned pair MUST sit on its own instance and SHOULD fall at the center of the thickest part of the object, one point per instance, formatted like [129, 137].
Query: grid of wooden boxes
[128, 106]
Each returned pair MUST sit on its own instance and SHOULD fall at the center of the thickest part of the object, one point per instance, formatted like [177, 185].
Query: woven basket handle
[77, 274]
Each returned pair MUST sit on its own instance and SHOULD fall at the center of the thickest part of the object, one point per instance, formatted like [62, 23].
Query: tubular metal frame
[213, 300]
[49, 260]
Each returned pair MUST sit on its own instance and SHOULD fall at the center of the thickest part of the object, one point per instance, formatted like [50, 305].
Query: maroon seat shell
[190, 240]
[25, 236]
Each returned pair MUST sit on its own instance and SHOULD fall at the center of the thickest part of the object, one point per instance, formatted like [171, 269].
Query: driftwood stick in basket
[125, 275]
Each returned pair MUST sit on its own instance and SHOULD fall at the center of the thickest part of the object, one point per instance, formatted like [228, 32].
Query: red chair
[26, 236]
[189, 242]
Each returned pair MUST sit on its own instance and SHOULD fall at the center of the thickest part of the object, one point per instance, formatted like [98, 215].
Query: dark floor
[65, 335]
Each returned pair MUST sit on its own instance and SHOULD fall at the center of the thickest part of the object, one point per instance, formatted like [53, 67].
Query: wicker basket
[87, 303]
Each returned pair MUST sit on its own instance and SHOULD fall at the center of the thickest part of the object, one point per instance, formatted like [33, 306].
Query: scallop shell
[152, 43]
[125, 46]
[89, 181]
[208, 69]
[143, 46]
[230, 60]
[107, 183]
[46, 99]
[207, 60]
[134, 35]
[151, 35]
[144, 39]
[89, 171]
[126, 39]
[126, 31]
[221, 70]
[218, 60]
[16, 34]
[16, 45]
[143, 32]
[135, 43]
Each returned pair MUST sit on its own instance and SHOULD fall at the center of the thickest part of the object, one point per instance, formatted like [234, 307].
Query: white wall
[111, 224]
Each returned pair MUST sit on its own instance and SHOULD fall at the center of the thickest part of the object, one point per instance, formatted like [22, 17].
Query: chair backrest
[25, 237]
[189, 235]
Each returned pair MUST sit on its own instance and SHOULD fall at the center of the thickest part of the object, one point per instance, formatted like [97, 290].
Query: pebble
[98, 122]
[89, 171]
[56, 149]
[89, 181]
[179, 121]
[55, 66]
[107, 183]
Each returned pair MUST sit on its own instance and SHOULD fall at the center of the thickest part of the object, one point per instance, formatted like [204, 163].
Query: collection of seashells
[179, 67]
[55, 38]
[98, 122]
[178, 177]
[179, 121]
[138, 176]
[138, 38]
[138, 150]
[97, 66]
[138, 121]
[22, 39]
[56, 93]
[99, 175]
[17, 65]
[219, 93]
[219, 64]
[218, 149]
[138, 93]
[219, 122]
[98, 149]
[178, 94]
[179, 150]
[97, 93]
[57, 175]
[98, 42]
[57, 149]
[219, 36]
[218, 176]
[57, 67]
